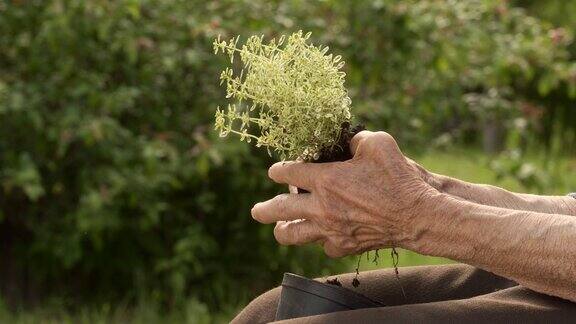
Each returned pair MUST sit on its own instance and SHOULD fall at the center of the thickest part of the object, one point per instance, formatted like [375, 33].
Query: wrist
[428, 211]
[440, 226]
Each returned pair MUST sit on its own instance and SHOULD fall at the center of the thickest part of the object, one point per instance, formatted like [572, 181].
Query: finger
[299, 174]
[357, 139]
[332, 250]
[285, 207]
[297, 232]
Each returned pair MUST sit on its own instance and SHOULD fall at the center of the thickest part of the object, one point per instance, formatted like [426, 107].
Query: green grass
[471, 166]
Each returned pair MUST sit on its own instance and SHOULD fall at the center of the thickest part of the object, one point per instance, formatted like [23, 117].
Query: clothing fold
[453, 293]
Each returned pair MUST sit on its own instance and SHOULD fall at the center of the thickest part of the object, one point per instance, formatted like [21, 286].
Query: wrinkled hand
[375, 200]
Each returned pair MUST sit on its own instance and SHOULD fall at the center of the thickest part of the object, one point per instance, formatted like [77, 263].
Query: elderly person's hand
[372, 201]
[380, 198]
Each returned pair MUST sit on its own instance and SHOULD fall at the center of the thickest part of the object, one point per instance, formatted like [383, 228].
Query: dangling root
[395, 259]
[356, 281]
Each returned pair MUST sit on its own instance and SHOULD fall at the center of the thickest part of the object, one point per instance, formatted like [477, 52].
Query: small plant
[290, 90]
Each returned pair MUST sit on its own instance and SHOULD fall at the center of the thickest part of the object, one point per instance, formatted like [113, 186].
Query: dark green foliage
[112, 182]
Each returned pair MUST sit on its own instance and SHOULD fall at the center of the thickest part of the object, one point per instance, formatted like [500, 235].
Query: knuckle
[348, 244]
[380, 139]
[370, 144]
[330, 254]
[362, 135]
[361, 143]
[330, 250]
[379, 142]
[358, 139]
[333, 251]
[383, 136]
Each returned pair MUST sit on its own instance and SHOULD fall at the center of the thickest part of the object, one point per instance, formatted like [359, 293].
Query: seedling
[289, 96]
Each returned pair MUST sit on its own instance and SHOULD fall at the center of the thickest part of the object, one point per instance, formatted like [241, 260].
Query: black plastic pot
[305, 297]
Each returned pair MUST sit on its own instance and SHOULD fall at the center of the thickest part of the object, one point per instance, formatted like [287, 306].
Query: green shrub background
[113, 185]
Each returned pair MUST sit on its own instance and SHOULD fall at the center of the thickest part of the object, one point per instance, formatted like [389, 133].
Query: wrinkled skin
[381, 199]
[339, 212]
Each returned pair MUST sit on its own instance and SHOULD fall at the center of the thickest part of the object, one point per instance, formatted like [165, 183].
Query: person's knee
[260, 310]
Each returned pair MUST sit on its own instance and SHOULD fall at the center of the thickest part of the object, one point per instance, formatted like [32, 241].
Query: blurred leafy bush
[112, 182]
[423, 62]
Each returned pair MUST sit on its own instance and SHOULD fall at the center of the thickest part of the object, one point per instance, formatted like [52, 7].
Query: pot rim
[337, 294]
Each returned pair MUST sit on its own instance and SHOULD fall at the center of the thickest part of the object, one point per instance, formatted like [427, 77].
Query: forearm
[534, 249]
[498, 197]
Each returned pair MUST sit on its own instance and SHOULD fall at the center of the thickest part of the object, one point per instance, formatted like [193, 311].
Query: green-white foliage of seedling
[289, 95]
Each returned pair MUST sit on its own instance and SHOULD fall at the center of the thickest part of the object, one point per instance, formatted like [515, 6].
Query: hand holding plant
[375, 200]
